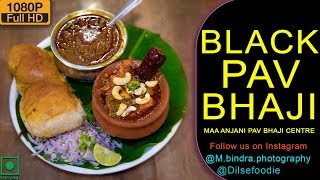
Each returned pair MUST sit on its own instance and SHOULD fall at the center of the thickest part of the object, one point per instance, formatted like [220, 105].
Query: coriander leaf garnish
[132, 85]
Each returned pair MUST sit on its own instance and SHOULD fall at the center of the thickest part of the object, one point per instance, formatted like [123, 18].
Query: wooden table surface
[177, 21]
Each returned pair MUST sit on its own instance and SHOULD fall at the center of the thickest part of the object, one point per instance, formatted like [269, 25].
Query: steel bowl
[85, 72]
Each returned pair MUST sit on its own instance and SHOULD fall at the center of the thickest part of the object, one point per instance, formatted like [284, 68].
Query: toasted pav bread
[49, 109]
[29, 64]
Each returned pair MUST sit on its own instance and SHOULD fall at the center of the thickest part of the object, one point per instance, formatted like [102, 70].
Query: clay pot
[126, 129]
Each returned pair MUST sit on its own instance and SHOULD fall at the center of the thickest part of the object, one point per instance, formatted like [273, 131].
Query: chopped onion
[32, 140]
[64, 147]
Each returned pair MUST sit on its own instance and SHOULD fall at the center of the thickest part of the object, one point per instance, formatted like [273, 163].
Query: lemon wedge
[105, 157]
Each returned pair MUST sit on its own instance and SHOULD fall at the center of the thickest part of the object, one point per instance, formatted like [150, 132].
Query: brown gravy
[88, 40]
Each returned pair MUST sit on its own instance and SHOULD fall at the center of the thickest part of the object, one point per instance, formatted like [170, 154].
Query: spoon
[125, 10]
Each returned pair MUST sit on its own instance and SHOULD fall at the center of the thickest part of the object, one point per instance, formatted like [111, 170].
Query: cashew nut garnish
[143, 100]
[121, 109]
[128, 111]
[151, 83]
[122, 81]
[115, 92]
[142, 89]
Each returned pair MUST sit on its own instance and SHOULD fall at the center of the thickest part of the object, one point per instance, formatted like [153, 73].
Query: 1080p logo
[21, 12]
